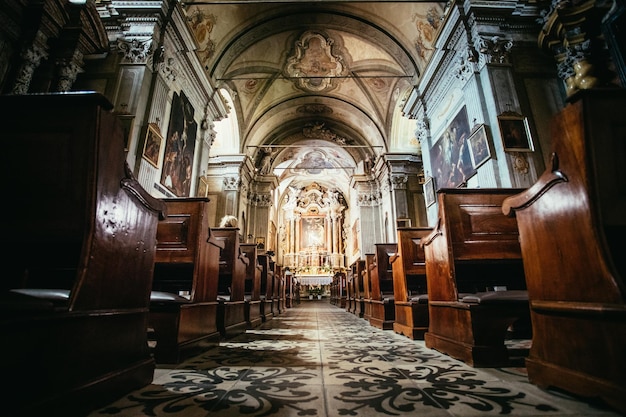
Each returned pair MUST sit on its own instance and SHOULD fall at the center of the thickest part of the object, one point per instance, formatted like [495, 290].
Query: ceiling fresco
[309, 77]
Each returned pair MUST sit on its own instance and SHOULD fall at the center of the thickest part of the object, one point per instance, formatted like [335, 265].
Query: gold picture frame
[515, 132]
[152, 145]
[479, 146]
[429, 191]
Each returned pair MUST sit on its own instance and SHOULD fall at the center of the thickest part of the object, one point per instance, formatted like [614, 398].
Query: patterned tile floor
[316, 359]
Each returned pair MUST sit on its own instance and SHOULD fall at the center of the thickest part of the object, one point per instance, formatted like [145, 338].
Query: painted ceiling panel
[336, 70]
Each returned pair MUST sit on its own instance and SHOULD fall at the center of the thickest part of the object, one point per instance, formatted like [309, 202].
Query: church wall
[485, 72]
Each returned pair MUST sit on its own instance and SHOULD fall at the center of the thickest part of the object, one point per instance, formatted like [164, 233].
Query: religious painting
[179, 147]
[515, 132]
[450, 156]
[313, 235]
[479, 146]
[429, 191]
[152, 145]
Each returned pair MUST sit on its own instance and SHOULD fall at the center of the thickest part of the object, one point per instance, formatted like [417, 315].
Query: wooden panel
[572, 226]
[79, 224]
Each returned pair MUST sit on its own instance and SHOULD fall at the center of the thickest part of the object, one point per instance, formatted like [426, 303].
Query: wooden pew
[273, 289]
[289, 287]
[572, 226]
[252, 286]
[183, 307]
[342, 289]
[350, 290]
[381, 291]
[409, 283]
[370, 259]
[359, 291]
[333, 290]
[267, 279]
[231, 318]
[78, 258]
[472, 248]
[279, 290]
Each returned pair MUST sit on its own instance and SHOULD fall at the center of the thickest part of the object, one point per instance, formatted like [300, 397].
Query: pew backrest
[232, 264]
[88, 227]
[474, 246]
[187, 257]
[409, 263]
[252, 287]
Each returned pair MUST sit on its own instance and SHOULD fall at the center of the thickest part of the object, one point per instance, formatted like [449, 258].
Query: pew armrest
[163, 297]
[496, 297]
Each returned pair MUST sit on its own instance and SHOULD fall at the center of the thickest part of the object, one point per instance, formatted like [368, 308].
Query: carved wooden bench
[231, 318]
[279, 290]
[183, 303]
[352, 287]
[252, 286]
[370, 259]
[357, 268]
[81, 239]
[267, 282]
[381, 287]
[473, 248]
[409, 283]
[572, 226]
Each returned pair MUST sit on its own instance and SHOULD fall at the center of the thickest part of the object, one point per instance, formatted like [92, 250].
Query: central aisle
[316, 359]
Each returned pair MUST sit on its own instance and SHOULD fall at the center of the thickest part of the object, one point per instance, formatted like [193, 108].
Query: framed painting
[479, 146]
[515, 132]
[313, 233]
[179, 145]
[449, 156]
[429, 191]
[152, 145]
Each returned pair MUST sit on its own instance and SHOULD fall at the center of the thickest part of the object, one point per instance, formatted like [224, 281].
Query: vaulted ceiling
[315, 84]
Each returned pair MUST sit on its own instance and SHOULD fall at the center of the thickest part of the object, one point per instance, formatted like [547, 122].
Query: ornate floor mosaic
[316, 359]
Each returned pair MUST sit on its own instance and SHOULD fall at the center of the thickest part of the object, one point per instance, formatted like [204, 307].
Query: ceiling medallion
[313, 65]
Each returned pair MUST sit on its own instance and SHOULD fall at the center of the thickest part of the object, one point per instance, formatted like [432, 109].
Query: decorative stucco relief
[314, 65]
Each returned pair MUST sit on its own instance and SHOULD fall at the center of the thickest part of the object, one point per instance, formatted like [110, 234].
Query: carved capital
[260, 199]
[398, 181]
[135, 51]
[495, 49]
[369, 200]
[231, 183]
